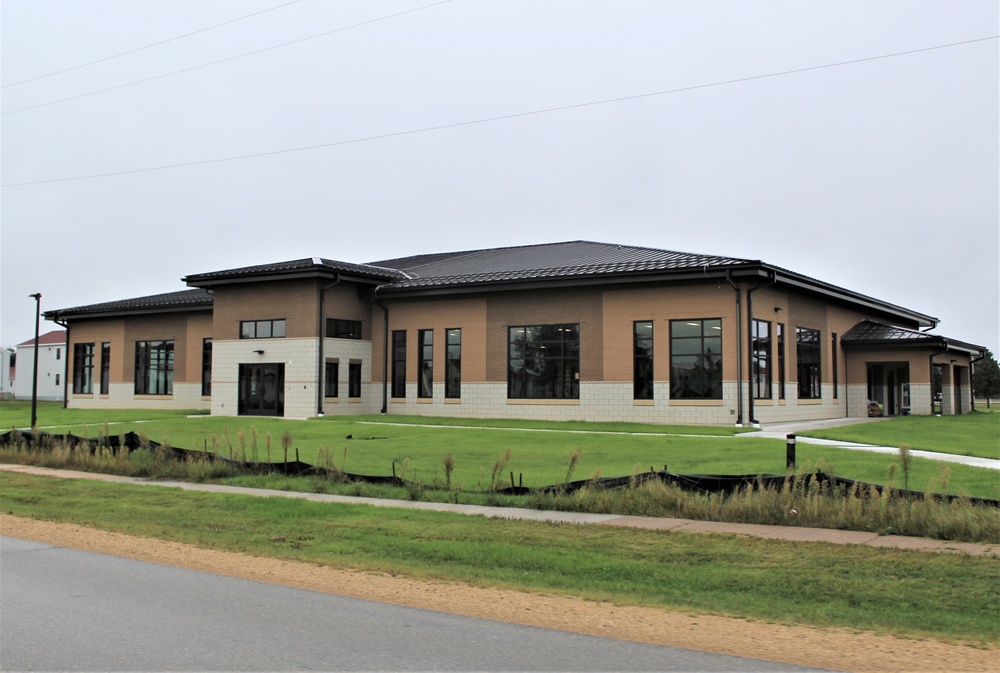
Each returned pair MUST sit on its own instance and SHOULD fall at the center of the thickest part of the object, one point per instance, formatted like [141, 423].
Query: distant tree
[986, 378]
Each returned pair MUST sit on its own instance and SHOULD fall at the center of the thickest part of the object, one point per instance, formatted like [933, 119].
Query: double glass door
[262, 390]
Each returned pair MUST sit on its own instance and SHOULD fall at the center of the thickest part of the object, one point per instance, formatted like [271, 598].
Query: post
[34, 373]
[790, 452]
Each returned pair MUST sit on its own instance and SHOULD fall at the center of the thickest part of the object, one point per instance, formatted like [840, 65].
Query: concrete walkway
[789, 533]
[782, 430]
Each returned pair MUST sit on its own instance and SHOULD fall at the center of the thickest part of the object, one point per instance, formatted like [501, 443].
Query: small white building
[51, 367]
[7, 359]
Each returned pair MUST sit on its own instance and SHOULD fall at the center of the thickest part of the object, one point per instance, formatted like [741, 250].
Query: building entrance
[262, 390]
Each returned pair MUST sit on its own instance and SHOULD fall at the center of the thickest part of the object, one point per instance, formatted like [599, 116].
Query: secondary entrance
[262, 390]
[889, 386]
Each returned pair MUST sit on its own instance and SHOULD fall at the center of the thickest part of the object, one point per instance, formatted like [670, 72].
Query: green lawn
[975, 434]
[889, 591]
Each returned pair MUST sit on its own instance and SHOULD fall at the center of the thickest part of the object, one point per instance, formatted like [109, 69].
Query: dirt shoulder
[838, 649]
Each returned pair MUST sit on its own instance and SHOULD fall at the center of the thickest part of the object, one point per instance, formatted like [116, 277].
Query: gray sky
[880, 175]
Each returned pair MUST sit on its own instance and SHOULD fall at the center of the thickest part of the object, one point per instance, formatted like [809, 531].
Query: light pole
[34, 372]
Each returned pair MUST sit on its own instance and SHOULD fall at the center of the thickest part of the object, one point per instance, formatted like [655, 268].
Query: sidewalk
[789, 533]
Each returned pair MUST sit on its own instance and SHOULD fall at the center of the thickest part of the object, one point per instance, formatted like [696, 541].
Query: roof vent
[317, 261]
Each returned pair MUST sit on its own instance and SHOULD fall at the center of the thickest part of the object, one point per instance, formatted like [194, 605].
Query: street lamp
[34, 372]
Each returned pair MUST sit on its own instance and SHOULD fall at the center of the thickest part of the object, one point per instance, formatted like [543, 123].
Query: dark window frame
[701, 376]
[642, 360]
[453, 363]
[833, 361]
[206, 367]
[331, 379]
[398, 364]
[83, 368]
[808, 362]
[154, 367]
[761, 362]
[425, 363]
[354, 380]
[263, 329]
[105, 367]
[340, 328]
[543, 362]
[780, 335]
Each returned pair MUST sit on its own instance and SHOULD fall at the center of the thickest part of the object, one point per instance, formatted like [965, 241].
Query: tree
[986, 378]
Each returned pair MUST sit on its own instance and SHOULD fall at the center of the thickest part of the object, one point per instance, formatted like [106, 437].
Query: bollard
[790, 452]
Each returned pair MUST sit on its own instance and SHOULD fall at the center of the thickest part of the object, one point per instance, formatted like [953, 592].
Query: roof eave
[71, 314]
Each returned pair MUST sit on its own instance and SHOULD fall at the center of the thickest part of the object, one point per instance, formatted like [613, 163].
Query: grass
[976, 434]
[17, 414]
[889, 591]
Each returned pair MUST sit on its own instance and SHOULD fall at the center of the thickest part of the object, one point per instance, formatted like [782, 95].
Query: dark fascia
[313, 268]
[179, 302]
[935, 341]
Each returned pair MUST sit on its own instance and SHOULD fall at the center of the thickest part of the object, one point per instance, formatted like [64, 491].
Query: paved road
[69, 610]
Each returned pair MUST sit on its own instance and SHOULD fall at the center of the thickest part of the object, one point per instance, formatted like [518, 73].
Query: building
[8, 360]
[51, 367]
[567, 331]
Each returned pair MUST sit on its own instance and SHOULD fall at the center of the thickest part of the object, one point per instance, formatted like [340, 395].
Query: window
[834, 361]
[83, 368]
[343, 329]
[262, 329]
[58, 355]
[354, 379]
[425, 363]
[781, 360]
[331, 377]
[760, 344]
[399, 363]
[154, 367]
[57, 379]
[642, 351]
[105, 368]
[206, 367]
[453, 364]
[543, 362]
[696, 359]
[807, 355]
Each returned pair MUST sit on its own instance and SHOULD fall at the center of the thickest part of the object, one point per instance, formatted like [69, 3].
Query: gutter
[750, 390]
[739, 349]
[319, 376]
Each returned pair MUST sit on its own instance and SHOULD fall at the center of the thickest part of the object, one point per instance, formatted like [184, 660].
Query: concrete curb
[787, 533]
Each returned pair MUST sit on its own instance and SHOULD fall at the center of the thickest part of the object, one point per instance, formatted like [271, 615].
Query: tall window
[399, 363]
[343, 329]
[425, 363]
[206, 367]
[453, 364]
[83, 368]
[781, 360]
[354, 379]
[331, 378]
[836, 378]
[105, 368]
[543, 362]
[154, 367]
[642, 358]
[262, 329]
[760, 343]
[696, 359]
[807, 352]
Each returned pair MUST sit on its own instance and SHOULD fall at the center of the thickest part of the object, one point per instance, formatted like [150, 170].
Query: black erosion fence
[698, 483]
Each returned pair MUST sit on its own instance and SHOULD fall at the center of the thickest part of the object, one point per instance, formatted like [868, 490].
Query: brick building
[564, 331]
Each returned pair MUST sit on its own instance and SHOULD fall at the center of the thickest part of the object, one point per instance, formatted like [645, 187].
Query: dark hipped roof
[869, 333]
[185, 300]
[312, 267]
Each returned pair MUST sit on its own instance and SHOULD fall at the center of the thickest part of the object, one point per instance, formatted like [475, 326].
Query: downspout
[322, 335]
[739, 349]
[385, 350]
[65, 364]
[750, 396]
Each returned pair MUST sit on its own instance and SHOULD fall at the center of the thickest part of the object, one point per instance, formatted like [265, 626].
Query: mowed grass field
[540, 453]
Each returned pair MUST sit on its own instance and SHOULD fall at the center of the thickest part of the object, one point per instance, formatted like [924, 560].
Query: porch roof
[868, 333]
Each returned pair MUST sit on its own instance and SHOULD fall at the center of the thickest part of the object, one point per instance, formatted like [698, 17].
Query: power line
[225, 60]
[514, 115]
[148, 46]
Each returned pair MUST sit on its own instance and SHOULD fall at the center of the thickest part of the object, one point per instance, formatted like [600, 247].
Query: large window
[696, 359]
[343, 329]
[642, 352]
[453, 364]
[262, 329]
[399, 363]
[83, 368]
[807, 352]
[760, 344]
[331, 379]
[354, 379]
[105, 368]
[154, 367]
[833, 361]
[425, 363]
[543, 362]
[780, 334]
[206, 367]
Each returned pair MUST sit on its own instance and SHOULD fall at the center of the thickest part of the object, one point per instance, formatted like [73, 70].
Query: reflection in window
[453, 364]
[262, 329]
[807, 355]
[425, 363]
[760, 343]
[331, 379]
[154, 367]
[543, 362]
[696, 359]
[399, 363]
[83, 368]
[642, 351]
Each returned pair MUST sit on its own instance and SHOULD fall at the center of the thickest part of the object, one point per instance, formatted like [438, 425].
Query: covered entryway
[889, 387]
[262, 390]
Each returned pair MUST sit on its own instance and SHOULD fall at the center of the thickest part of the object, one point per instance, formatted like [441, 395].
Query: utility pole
[34, 372]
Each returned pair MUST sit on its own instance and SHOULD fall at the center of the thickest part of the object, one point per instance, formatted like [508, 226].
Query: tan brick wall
[295, 301]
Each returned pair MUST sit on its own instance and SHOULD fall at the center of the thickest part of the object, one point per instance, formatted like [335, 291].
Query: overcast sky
[799, 133]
